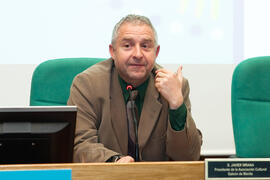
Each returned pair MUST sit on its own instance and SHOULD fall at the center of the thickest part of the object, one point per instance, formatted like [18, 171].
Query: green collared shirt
[177, 117]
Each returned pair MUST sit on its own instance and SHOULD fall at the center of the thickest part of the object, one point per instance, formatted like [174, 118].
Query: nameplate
[61, 174]
[237, 168]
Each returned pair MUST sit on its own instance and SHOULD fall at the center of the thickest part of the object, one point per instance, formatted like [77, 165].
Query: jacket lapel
[150, 113]
[118, 113]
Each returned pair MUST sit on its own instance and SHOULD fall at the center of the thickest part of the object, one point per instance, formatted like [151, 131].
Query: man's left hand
[169, 85]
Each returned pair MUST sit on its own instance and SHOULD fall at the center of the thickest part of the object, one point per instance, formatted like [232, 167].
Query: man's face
[134, 52]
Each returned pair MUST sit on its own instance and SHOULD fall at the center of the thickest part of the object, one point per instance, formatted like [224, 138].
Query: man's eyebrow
[143, 40]
[126, 39]
[148, 40]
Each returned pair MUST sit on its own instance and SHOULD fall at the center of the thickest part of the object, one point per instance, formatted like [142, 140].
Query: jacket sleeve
[86, 145]
[184, 144]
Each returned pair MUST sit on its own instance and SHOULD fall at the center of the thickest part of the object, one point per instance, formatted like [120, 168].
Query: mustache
[137, 62]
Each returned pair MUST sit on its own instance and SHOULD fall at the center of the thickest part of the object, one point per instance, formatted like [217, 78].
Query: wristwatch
[114, 158]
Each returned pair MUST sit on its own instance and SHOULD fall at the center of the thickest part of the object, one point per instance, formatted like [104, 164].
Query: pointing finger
[179, 71]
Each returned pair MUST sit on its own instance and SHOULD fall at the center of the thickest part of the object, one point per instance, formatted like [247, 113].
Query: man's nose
[138, 52]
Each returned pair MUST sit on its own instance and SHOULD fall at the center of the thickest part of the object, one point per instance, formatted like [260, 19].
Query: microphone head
[129, 87]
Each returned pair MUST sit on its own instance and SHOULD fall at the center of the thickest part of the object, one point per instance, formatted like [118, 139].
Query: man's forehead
[135, 28]
[136, 23]
[128, 31]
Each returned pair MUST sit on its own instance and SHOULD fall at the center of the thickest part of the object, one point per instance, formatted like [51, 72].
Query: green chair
[52, 79]
[251, 108]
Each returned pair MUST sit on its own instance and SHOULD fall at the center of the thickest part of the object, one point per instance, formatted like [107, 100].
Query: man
[165, 129]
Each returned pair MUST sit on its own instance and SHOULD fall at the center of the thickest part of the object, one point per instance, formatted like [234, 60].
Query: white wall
[34, 30]
[210, 83]
[256, 28]
[15, 84]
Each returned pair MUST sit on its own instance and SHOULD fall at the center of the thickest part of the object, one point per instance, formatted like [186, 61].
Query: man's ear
[157, 50]
[111, 49]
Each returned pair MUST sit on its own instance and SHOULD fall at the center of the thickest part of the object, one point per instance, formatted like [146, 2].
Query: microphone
[129, 88]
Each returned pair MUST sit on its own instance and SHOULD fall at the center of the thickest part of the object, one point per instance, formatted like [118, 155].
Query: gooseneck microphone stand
[129, 88]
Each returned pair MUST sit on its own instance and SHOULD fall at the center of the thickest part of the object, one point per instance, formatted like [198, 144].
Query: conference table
[140, 170]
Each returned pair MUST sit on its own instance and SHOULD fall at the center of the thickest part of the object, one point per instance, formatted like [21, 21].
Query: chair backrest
[52, 79]
[251, 107]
